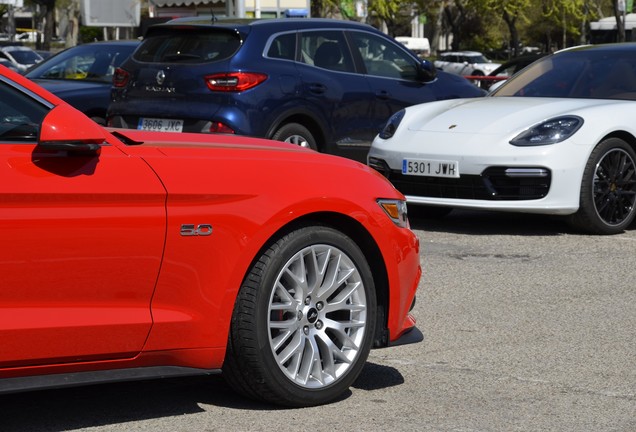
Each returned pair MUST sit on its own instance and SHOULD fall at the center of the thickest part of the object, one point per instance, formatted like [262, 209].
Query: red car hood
[181, 140]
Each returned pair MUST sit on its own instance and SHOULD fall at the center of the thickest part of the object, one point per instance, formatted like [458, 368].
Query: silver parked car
[22, 57]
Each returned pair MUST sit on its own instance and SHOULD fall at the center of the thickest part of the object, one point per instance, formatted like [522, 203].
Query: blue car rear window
[188, 46]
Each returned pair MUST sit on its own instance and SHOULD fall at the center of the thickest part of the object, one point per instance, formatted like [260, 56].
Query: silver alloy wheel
[317, 316]
[299, 140]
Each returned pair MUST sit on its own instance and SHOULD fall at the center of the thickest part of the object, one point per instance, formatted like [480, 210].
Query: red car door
[82, 239]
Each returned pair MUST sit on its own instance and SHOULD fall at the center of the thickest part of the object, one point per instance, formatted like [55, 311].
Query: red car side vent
[234, 81]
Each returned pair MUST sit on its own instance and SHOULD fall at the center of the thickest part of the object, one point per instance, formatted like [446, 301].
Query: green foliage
[514, 8]
[565, 14]
[387, 9]
[482, 24]
[485, 25]
[90, 34]
[496, 24]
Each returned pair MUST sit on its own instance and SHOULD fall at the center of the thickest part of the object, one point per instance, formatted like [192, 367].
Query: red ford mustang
[129, 255]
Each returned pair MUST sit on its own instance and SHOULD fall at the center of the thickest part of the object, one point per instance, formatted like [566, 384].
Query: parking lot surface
[528, 327]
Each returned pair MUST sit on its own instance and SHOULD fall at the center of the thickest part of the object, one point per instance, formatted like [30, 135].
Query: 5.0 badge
[196, 230]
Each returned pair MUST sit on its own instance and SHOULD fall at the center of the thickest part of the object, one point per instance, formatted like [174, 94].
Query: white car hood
[496, 115]
[486, 67]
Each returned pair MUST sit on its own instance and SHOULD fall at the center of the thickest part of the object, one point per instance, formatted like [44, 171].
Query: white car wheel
[608, 189]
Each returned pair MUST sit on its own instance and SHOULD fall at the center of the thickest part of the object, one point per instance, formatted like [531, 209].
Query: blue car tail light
[234, 81]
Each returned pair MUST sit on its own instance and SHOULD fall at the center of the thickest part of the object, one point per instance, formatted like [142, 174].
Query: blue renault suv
[321, 83]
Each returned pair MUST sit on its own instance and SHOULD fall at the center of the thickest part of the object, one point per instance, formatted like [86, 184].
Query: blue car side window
[326, 50]
[382, 58]
[283, 47]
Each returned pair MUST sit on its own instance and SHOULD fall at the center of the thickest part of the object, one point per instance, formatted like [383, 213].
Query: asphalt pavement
[528, 327]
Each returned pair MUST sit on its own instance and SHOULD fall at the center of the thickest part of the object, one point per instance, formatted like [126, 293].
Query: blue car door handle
[382, 94]
[317, 88]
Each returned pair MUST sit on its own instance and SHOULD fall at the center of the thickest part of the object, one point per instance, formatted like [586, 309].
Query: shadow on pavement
[119, 403]
[493, 223]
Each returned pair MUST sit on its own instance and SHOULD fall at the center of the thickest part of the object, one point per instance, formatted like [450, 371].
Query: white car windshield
[477, 59]
[582, 73]
[25, 56]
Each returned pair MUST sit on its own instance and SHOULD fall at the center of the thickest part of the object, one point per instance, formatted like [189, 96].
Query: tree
[70, 9]
[472, 24]
[325, 8]
[454, 15]
[620, 24]
[47, 14]
[567, 18]
[389, 12]
[511, 12]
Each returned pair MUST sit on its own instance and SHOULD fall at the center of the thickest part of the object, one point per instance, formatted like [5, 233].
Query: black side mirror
[427, 71]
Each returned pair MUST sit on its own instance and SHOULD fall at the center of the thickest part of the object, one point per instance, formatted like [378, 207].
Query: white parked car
[557, 138]
[465, 63]
[420, 46]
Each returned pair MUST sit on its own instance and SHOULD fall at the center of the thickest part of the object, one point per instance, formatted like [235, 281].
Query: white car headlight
[549, 132]
[391, 125]
[396, 211]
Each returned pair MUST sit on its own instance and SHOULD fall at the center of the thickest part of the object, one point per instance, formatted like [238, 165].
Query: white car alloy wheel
[608, 189]
[304, 320]
[614, 190]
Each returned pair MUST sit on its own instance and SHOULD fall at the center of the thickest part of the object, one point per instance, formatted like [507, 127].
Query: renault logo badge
[161, 77]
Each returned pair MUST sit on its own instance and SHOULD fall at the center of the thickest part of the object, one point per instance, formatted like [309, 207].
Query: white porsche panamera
[557, 138]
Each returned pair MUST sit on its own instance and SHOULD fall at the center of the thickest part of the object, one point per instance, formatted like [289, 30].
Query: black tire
[477, 73]
[608, 189]
[295, 133]
[304, 320]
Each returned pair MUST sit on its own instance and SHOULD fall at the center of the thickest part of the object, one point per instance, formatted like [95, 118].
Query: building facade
[229, 8]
